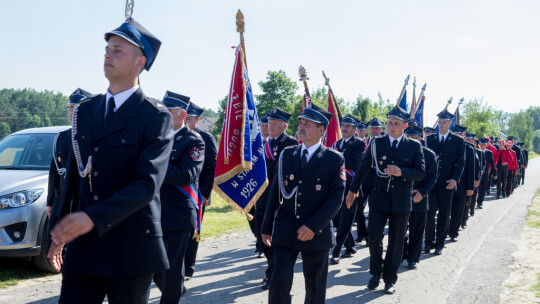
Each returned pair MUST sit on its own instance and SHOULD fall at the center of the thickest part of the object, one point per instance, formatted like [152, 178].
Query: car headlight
[20, 199]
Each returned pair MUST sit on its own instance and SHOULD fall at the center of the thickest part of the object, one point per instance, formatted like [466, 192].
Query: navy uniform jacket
[206, 181]
[319, 197]
[469, 172]
[526, 157]
[185, 165]
[353, 150]
[480, 166]
[369, 180]
[488, 156]
[129, 162]
[518, 155]
[56, 181]
[450, 158]
[396, 197]
[277, 145]
[427, 183]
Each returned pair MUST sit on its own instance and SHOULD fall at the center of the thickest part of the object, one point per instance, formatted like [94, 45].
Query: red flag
[333, 132]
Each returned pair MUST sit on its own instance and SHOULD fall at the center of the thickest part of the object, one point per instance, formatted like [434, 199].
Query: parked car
[25, 157]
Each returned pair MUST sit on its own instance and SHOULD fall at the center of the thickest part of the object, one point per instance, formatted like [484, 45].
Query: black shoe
[427, 249]
[187, 278]
[260, 254]
[266, 284]
[438, 252]
[347, 254]
[334, 260]
[389, 288]
[412, 265]
[479, 207]
[374, 281]
[453, 239]
[463, 226]
[498, 197]
[257, 251]
[184, 290]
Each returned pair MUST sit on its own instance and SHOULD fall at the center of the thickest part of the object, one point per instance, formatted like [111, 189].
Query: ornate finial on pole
[240, 23]
[403, 89]
[129, 8]
[302, 73]
[461, 101]
[303, 77]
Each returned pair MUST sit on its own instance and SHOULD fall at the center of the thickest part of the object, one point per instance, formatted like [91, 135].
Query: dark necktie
[442, 139]
[394, 146]
[303, 161]
[110, 109]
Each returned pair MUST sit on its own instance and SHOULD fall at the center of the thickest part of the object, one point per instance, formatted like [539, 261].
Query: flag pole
[419, 100]
[240, 23]
[303, 77]
[403, 90]
[327, 83]
[413, 104]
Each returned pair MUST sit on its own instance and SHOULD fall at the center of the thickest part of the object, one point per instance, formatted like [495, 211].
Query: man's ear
[141, 63]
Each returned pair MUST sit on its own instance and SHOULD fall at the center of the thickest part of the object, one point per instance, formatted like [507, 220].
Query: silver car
[25, 157]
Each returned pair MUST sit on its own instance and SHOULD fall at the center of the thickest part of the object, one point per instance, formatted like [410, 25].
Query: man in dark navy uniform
[525, 161]
[450, 152]
[353, 150]
[489, 170]
[122, 142]
[275, 143]
[398, 162]
[479, 168]
[465, 187]
[206, 180]
[375, 130]
[361, 131]
[179, 199]
[57, 170]
[421, 189]
[306, 194]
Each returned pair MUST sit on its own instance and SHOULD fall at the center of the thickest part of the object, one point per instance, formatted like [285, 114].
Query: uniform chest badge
[59, 159]
[342, 173]
[384, 157]
[286, 183]
[318, 187]
[291, 177]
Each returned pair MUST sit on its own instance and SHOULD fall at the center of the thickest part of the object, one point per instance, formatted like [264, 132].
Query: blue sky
[460, 48]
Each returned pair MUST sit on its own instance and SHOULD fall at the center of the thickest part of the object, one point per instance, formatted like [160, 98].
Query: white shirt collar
[392, 139]
[120, 98]
[176, 132]
[310, 150]
[443, 135]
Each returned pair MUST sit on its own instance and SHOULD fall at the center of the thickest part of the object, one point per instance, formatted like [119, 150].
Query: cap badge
[318, 187]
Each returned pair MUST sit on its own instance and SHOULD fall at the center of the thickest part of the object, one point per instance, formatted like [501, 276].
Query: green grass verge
[14, 270]
[533, 155]
[220, 219]
[533, 220]
[536, 288]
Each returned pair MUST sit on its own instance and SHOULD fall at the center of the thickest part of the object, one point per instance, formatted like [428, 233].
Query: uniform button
[300, 182]
[320, 230]
[96, 197]
[123, 141]
[392, 186]
[95, 173]
[96, 149]
[299, 205]
[299, 194]
[147, 231]
[298, 216]
[392, 162]
[108, 225]
[83, 137]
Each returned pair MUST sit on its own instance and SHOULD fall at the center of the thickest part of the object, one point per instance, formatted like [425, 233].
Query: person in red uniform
[512, 168]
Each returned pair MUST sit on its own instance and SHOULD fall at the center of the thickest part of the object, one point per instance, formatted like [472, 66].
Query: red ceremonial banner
[333, 132]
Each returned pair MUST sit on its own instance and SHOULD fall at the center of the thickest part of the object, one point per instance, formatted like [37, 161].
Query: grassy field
[12, 271]
[533, 220]
[532, 155]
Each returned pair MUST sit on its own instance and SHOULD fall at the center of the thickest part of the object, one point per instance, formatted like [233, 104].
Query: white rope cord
[61, 171]
[83, 170]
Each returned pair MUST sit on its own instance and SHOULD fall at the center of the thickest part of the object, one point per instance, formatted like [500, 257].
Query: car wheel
[41, 261]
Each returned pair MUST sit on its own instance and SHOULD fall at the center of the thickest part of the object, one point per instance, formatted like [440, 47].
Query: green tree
[220, 115]
[536, 141]
[4, 130]
[479, 118]
[278, 91]
[520, 125]
[534, 112]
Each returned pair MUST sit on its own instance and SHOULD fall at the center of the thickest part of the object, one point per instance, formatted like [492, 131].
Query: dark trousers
[397, 227]
[522, 176]
[482, 188]
[191, 252]
[469, 209]
[344, 234]
[361, 202]
[510, 182]
[253, 229]
[171, 281]
[438, 201]
[268, 251]
[413, 246]
[82, 289]
[502, 174]
[456, 215]
[315, 268]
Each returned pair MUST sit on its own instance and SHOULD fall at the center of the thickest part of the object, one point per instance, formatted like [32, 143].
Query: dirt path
[472, 270]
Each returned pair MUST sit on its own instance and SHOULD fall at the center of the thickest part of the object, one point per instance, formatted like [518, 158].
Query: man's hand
[266, 239]
[204, 201]
[505, 164]
[71, 227]
[305, 234]
[417, 197]
[476, 183]
[516, 173]
[393, 170]
[523, 166]
[49, 211]
[494, 177]
[55, 256]
[350, 199]
[470, 192]
[451, 184]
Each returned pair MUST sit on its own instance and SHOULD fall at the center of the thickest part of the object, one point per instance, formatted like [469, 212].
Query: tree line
[28, 108]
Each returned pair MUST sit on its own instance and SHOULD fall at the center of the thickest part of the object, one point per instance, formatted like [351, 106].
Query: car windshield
[26, 152]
